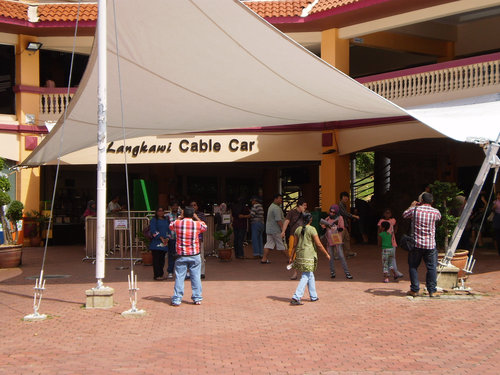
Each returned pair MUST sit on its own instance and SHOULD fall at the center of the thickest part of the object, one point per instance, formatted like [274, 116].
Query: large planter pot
[459, 260]
[147, 258]
[10, 255]
[225, 254]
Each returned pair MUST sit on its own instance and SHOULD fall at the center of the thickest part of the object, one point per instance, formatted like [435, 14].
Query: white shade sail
[191, 66]
[197, 66]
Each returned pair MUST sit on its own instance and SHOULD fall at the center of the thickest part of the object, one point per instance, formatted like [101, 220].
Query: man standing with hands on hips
[424, 219]
[187, 233]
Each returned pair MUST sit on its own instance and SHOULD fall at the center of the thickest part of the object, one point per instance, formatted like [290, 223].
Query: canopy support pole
[101, 296]
[491, 160]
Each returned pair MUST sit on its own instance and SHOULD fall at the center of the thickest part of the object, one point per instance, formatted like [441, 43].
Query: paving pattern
[245, 324]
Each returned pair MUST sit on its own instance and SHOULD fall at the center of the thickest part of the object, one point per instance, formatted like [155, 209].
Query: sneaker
[314, 300]
[188, 276]
[348, 276]
[411, 293]
[398, 276]
[295, 302]
[170, 276]
[175, 304]
[197, 302]
[434, 294]
[350, 255]
[332, 275]
[386, 280]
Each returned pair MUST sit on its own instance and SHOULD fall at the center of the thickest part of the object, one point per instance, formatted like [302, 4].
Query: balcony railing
[445, 81]
[53, 102]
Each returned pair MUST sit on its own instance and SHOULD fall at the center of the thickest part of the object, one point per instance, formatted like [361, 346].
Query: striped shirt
[257, 213]
[425, 218]
[187, 232]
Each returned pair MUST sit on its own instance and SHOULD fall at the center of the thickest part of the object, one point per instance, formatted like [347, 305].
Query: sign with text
[208, 148]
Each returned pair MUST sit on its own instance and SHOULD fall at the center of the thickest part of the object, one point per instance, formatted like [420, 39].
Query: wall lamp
[33, 46]
[330, 151]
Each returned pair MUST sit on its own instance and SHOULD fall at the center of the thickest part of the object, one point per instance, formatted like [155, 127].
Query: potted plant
[146, 254]
[225, 252]
[445, 194]
[10, 252]
[38, 225]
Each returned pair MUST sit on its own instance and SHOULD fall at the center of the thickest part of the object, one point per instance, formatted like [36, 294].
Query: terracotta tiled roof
[11, 9]
[287, 8]
[324, 5]
[67, 12]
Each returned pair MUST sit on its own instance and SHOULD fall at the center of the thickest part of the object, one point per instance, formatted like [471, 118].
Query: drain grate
[48, 277]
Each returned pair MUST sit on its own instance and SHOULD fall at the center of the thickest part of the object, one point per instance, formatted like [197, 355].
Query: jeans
[340, 253]
[430, 259]
[182, 265]
[171, 256]
[307, 278]
[257, 240]
[239, 238]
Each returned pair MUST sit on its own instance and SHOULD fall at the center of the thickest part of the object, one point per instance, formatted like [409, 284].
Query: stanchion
[37, 299]
[132, 291]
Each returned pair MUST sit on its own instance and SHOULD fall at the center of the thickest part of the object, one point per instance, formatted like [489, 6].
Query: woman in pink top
[336, 225]
[393, 227]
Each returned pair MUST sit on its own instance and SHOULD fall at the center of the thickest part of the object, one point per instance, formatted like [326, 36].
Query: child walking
[387, 217]
[306, 258]
[387, 251]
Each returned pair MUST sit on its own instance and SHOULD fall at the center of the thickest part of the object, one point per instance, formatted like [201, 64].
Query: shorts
[274, 240]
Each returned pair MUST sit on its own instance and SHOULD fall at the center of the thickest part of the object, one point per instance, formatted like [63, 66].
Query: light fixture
[330, 151]
[33, 46]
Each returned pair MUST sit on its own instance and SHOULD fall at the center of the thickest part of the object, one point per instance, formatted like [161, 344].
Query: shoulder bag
[407, 242]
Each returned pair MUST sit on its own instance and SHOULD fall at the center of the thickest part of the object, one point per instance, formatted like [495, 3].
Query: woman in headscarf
[306, 258]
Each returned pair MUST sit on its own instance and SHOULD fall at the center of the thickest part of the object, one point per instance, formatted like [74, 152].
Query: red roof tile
[324, 5]
[11, 9]
[287, 8]
[67, 12]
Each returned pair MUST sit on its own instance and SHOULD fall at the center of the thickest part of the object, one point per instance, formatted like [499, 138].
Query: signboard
[120, 224]
[208, 148]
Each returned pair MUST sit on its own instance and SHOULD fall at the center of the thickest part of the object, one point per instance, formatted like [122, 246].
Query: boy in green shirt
[387, 250]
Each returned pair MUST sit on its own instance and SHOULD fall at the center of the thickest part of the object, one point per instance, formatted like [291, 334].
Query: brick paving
[245, 324]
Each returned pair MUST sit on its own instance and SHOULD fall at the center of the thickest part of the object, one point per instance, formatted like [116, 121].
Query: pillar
[27, 74]
[334, 170]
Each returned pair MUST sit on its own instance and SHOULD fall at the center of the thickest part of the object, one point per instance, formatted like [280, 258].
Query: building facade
[412, 53]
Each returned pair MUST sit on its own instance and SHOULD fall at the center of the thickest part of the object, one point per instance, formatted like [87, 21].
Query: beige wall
[482, 35]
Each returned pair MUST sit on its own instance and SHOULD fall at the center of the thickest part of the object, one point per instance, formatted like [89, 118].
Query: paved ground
[245, 324]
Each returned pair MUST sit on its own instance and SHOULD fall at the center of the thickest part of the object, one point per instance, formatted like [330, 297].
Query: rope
[484, 214]
[61, 141]
[123, 135]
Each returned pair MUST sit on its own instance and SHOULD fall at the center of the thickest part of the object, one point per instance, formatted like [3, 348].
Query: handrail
[450, 79]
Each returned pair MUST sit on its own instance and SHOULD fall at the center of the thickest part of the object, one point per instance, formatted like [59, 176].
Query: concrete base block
[447, 277]
[34, 317]
[133, 313]
[99, 298]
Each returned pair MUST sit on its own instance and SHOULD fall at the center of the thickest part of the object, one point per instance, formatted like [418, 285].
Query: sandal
[265, 262]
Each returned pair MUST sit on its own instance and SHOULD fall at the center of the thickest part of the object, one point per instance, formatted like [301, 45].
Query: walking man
[424, 221]
[274, 225]
[346, 215]
[187, 233]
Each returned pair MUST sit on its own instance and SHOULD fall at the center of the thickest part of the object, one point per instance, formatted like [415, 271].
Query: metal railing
[437, 79]
[118, 244]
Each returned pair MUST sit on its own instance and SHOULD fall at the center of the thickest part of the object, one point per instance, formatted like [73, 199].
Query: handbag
[336, 238]
[407, 242]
